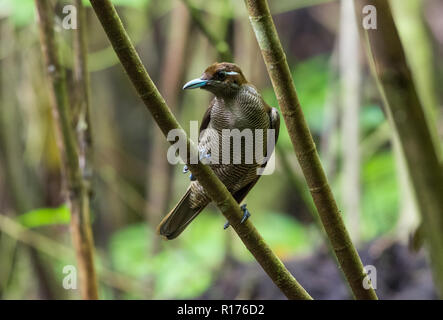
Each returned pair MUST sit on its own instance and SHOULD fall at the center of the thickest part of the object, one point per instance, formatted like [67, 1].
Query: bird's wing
[206, 117]
[241, 194]
[274, 119]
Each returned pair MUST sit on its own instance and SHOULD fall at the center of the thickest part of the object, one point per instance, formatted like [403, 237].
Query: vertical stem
[278, 69]
[160, 173]
[82, 98]
[407, 116]
[78, 194]
[350, 101]
[413, 31]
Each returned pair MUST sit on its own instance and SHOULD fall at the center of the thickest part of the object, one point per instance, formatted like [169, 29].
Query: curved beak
[196, 83]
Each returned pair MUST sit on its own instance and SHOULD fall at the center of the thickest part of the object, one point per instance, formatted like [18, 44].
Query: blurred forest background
[134, 186]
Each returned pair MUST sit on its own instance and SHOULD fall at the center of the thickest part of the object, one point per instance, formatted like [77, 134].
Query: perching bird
[236, 105]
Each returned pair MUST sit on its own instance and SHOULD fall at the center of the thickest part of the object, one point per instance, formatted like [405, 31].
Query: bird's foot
[203, 157]
[246, 215]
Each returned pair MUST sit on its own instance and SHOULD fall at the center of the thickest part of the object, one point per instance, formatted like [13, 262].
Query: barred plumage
[236, 105]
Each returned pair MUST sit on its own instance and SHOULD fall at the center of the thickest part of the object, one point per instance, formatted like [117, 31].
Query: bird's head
[222, 79]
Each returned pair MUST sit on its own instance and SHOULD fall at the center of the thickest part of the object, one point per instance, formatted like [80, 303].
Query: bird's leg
[246, 215]
[186, 170]
[203, 156]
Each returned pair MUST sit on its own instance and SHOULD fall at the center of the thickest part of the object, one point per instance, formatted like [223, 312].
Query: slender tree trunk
[329, 136]
[78, 193]
[350, 105]
[160, 173]
[305, 148]
[406, 115]
[24, 193]
[81, 103]
[410, 21]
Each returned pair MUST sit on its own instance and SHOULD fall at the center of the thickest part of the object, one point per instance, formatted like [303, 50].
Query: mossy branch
[278, 69]
[78, 195]
[155, 103]
[406, 115]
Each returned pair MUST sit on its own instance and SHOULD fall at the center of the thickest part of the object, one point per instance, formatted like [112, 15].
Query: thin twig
[219, 44]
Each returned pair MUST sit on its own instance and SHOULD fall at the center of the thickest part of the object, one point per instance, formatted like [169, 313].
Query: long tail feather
[178, 219]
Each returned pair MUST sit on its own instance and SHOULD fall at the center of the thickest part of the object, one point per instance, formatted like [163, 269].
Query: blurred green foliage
[45, 216]
[185, 268]
[311, 80]
[20, 12]
[182, 271]
[379, 195]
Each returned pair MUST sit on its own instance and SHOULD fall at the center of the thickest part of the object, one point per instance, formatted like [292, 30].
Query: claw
[204, 155]
[246, 215]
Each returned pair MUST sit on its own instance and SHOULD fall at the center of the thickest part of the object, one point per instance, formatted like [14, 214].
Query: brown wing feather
[206, 117]
[274, 119]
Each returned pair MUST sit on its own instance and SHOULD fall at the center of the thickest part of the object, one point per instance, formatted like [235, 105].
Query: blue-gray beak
[196, 83]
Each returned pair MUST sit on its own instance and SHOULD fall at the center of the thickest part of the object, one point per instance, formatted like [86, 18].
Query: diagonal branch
[304, 146]
[220, 45]
[167, 122]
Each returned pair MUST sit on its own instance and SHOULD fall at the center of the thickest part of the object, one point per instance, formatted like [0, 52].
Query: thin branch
[219, 44]
[407, 117]
[81, 105]
[78, 198]
[278, 69]
[167, 122]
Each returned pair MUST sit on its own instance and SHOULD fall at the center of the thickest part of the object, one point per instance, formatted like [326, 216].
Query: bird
[236, 104]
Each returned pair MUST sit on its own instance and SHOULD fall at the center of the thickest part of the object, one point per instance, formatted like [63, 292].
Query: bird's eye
[220, 75]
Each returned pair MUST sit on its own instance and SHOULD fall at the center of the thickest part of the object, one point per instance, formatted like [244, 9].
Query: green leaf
[45, 216]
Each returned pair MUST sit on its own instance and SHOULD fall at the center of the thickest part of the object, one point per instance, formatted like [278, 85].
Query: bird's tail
[178, 219]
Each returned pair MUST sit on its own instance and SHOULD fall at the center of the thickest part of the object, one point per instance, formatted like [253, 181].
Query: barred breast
[246, 110]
